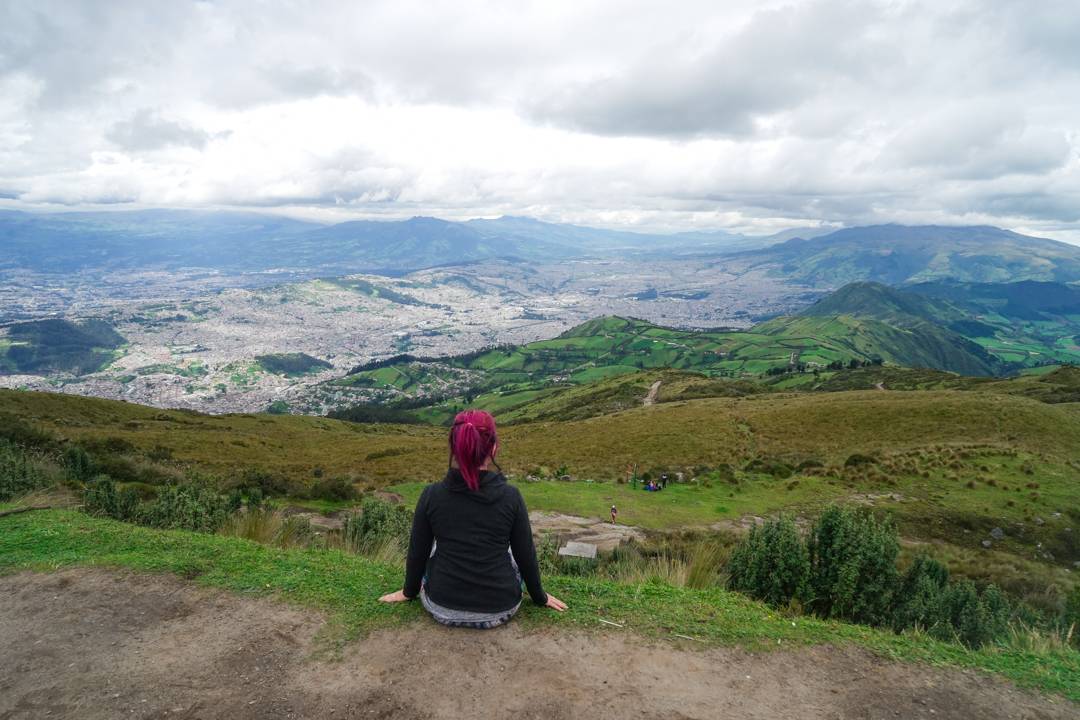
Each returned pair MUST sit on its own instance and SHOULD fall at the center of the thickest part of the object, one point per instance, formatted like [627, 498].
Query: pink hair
[472, 442]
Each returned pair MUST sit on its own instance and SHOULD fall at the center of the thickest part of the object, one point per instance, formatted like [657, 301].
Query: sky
[744, 116]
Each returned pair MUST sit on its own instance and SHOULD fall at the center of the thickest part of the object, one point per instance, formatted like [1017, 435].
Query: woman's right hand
[555, 603]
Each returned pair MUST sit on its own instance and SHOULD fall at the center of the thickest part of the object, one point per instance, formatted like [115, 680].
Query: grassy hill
[923, 444]
[506, 378]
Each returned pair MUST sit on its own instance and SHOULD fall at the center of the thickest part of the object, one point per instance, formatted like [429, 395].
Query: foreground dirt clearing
[96, 644]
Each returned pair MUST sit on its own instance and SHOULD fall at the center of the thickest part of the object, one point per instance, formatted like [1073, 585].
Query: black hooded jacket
[471, 569]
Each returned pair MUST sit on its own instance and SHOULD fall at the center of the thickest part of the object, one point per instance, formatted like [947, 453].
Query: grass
[678, 505]
[346, 588]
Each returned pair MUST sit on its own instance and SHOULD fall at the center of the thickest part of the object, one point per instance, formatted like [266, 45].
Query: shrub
[19, 432]
[19, 474]
[969, 617]
[1072, 614]
[78, 463]
[267, 482]
[858, 459]
[377, 522]
[191, 506]
[853, 566]
[338, 488]
[917, 601]
[776, 468]
[102, 499]
[771, 564]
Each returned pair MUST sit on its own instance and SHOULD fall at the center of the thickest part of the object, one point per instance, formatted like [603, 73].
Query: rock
[997, 533]
[1039, 520]
[1077, 564]
[578, 549]
[986, 543]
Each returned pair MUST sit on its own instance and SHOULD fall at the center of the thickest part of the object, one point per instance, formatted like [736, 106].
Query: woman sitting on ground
[458, 562]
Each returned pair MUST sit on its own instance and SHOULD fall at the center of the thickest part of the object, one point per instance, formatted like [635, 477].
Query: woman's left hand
[397, 596]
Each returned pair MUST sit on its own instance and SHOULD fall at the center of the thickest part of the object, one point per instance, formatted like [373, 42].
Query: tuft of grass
[347, 587]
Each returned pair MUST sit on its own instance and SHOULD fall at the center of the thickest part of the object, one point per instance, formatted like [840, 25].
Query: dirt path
[650, 399]
[96, 644]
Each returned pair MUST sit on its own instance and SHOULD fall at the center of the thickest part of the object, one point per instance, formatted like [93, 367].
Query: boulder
[578, 549]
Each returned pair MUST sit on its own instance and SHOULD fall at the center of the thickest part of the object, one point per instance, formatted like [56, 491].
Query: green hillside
[949, 466]
[861, 324]
[48, 346]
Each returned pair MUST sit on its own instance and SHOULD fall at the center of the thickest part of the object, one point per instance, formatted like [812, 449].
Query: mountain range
[255, 242]
[237, 242]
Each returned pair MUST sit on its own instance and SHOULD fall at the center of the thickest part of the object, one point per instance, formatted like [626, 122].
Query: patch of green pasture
[680, 505]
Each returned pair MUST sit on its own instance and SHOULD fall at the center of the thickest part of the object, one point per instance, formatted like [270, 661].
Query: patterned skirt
[465, 618]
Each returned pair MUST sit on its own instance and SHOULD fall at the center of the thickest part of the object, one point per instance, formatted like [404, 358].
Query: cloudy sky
[747, 116]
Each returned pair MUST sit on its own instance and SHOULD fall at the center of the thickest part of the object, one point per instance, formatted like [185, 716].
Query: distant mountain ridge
[254, 242]
[900, 254]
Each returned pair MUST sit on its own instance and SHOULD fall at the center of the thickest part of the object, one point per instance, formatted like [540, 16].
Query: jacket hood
[492, 485]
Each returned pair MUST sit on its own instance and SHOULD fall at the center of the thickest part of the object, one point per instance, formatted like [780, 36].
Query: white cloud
[750, 116]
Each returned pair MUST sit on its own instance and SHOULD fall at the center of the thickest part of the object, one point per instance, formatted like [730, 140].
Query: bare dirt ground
[654, 390]
[90, 643]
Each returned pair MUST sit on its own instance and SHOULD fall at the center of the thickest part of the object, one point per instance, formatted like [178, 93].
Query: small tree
[917, 601]
[853, 566]
[771, 564]
[969, 617]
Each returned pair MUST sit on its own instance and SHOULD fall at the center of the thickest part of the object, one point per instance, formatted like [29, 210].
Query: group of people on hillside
[656, 485]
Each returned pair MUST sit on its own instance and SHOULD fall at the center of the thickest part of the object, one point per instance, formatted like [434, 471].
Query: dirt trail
[650, 399]
[94, 644]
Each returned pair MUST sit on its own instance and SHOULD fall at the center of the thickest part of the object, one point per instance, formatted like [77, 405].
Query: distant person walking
[614, 514]
[471, 544]
[663, 481]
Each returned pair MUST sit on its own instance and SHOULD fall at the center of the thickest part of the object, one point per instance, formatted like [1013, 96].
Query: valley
[200, 352]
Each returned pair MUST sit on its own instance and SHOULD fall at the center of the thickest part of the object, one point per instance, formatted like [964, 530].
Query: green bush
[1072, 613]
[771, 564]
[338, 488]
[918, 597]
[19, 474]
[858, 459]
[17, 431]
[267, 482]
[767, 466]
[853, 566]
[191, 506]
[78, 463]
[102, 498]
[378, 521]
[969, 617]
